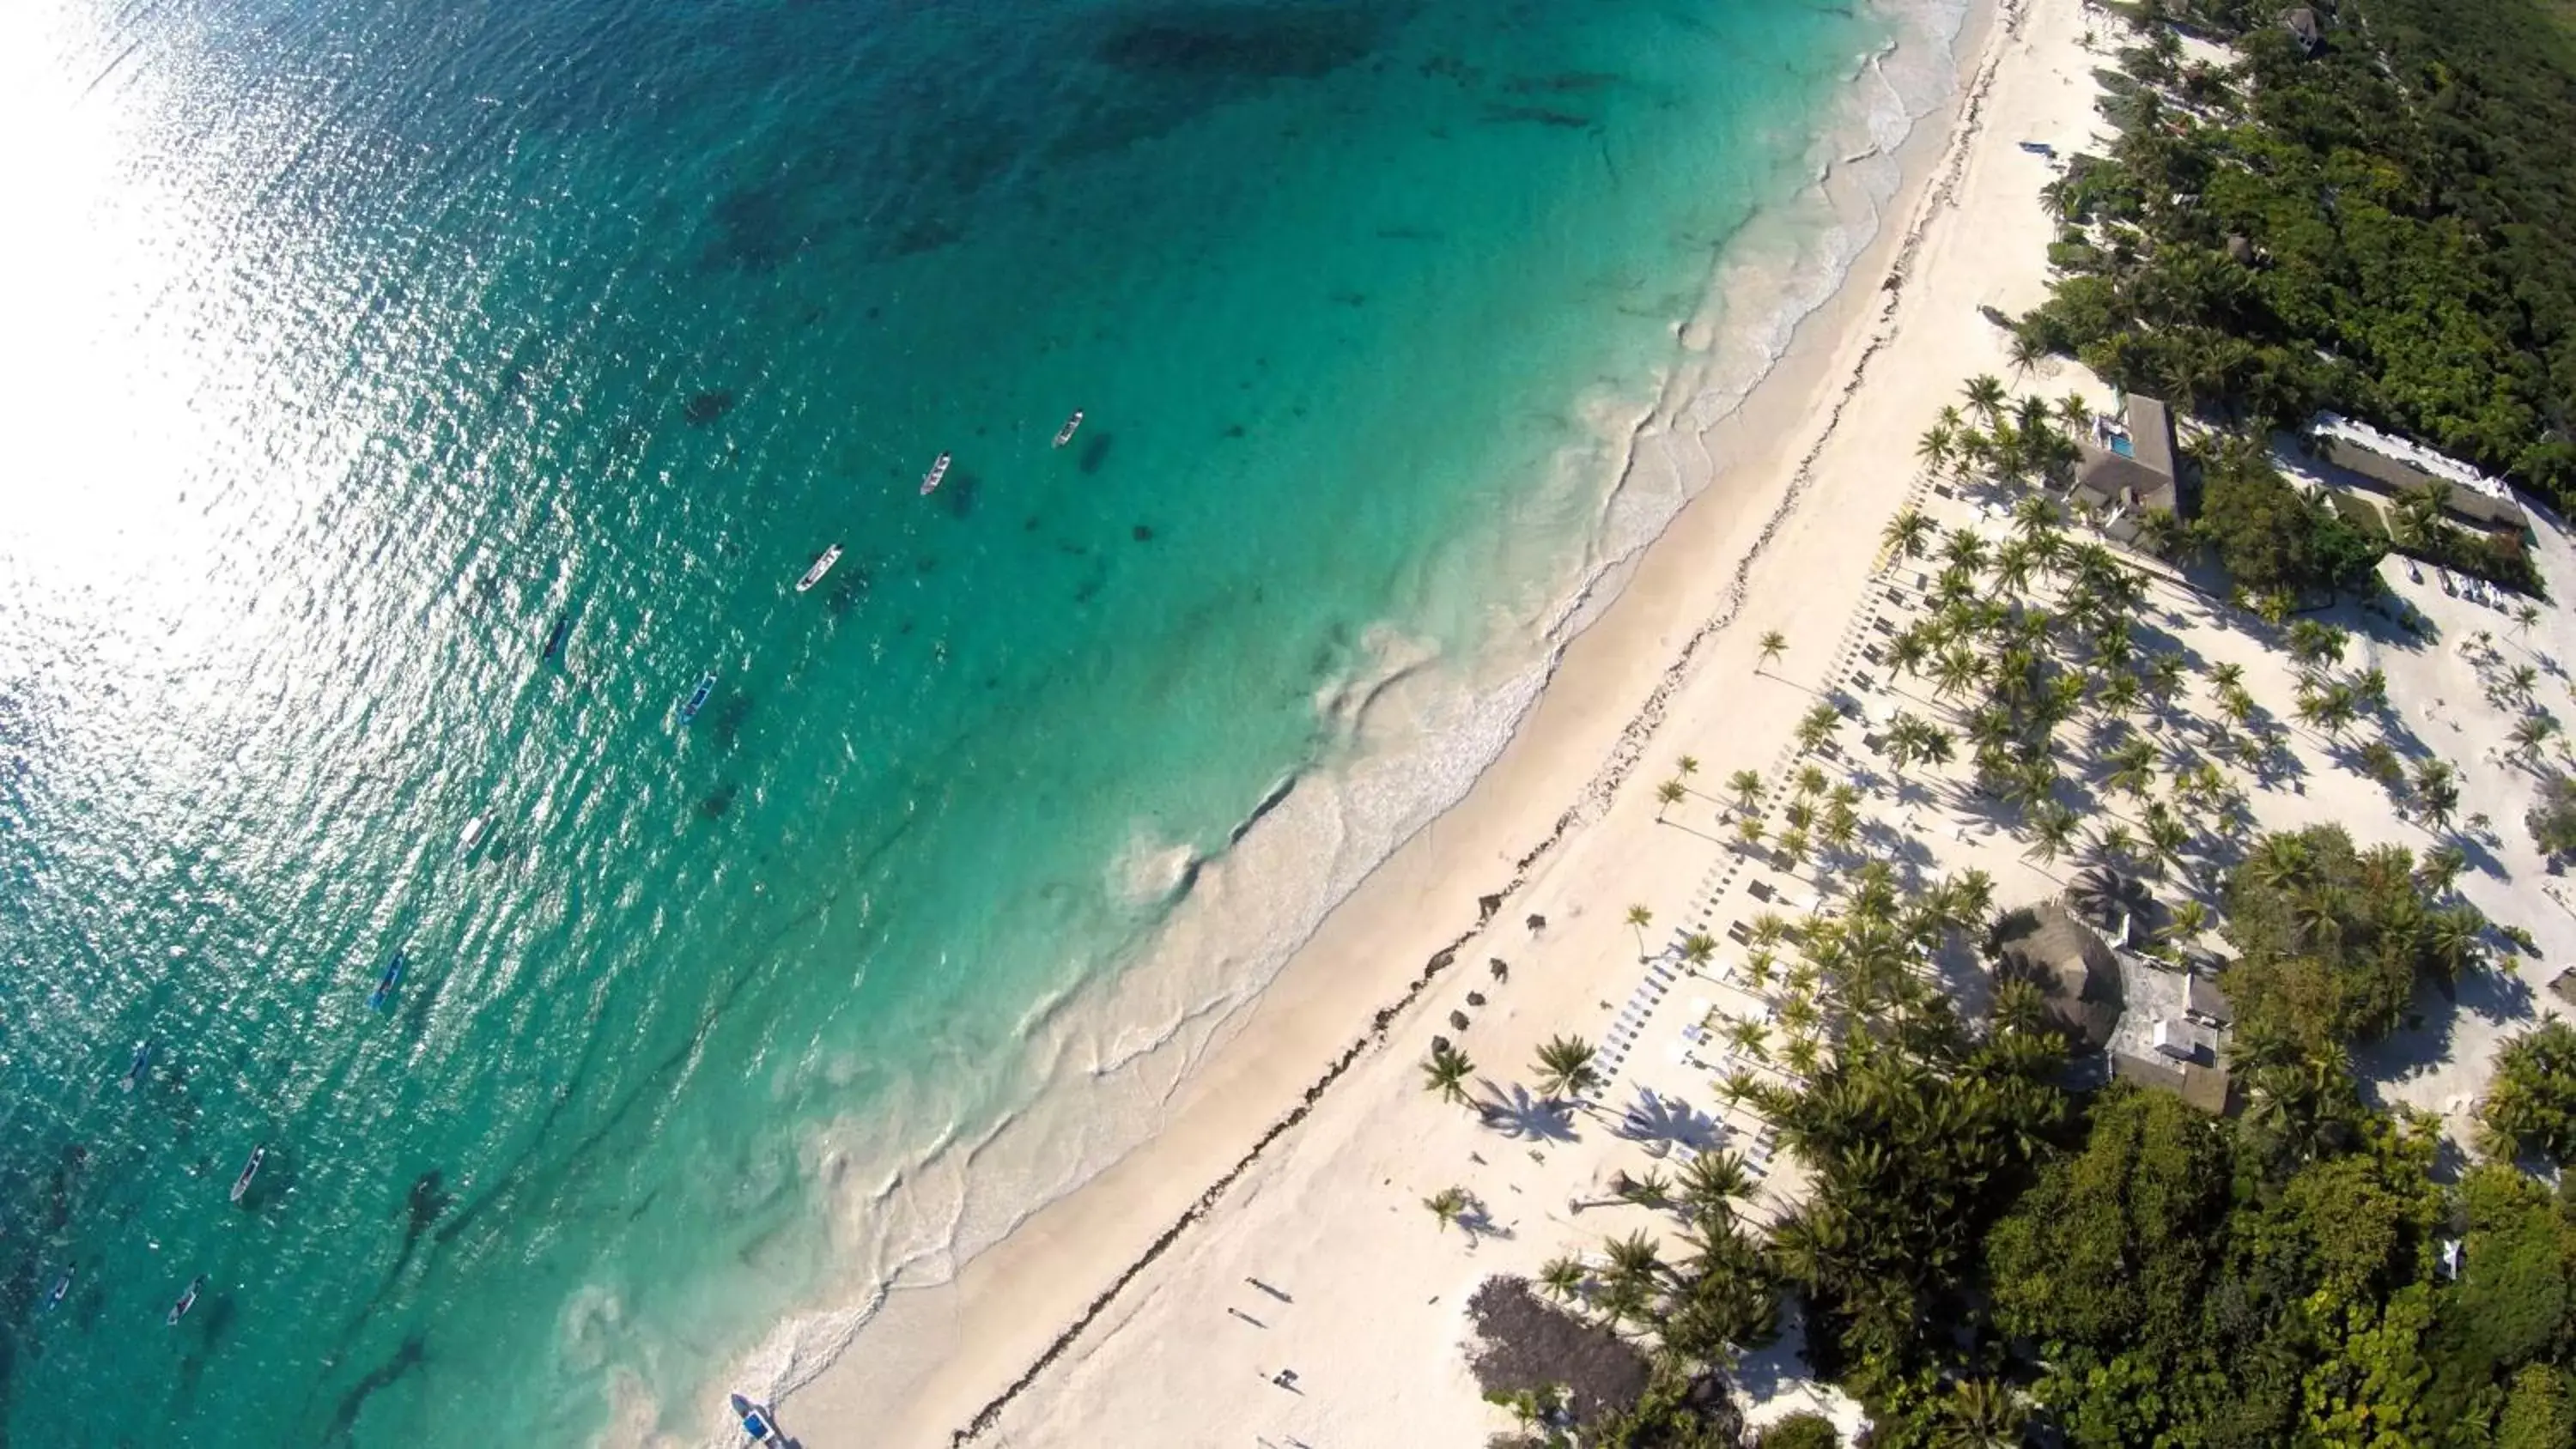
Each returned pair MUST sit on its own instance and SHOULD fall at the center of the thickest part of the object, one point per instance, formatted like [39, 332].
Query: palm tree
[1686, 766]
[1751, 1038]
[2186, 919]
[1624, 1300]
[2442, 867]
[2284, 863]
[2454, 937]
[1911, 739]
[2013, 564]
[1448, 1204]
[2437, 791]
[1757, 968]
[1446, 1072]
[2052, 832]
[1985, 393]
[1956, 671]
[2133, 768]
[1774, 644]
[1936, 447]
[1562, 1278]
[1639, 918]
[2531, 732]
[2167, 836]
[1907, 533]
[1746, 787]
[1817, 726]
[2113, 844]
[1793, 845]
[1712, 1184]
[1565, 1067]
[1981, 1414]
[1633, 1259]
[1652, 1190]
[2524, 617]
[2035, 518]
[1971, 896]
[1667, 795]
[2074, 411]
[1965, 548]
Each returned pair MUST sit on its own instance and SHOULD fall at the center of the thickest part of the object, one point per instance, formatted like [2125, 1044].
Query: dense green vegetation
[1800, 1431]
[2330, 942]
[2183, 1290]
[2552, 818]
[2387, 226]
[1986, 1256]
[2274, 538]
[2531, 1107]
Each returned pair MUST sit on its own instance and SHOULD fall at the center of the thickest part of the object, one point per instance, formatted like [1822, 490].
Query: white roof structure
[2389, 445]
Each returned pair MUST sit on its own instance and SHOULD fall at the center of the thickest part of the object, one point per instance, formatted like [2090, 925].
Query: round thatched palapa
[2072, 967]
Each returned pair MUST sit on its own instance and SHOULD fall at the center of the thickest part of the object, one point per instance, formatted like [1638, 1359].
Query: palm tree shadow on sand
[1523, 1115]
[1668, 1122]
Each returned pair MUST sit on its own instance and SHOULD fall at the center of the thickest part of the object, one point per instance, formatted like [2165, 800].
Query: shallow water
[356, 345]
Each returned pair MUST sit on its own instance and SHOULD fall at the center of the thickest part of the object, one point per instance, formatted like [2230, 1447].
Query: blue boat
[556, 640]
[697, 699]
[62, 1290]
[383, 995]
[134, 1069]
[188, 1299]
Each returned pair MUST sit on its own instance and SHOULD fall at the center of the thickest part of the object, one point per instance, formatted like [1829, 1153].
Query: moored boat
[1064, 435]
[697, 699]
[188, 1299]
[822, 565]
[250, 1169]
[383, 995]
[134, 1069]
[938, 470]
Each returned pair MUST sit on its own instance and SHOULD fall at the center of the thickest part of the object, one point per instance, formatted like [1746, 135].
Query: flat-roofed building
[2397, 467]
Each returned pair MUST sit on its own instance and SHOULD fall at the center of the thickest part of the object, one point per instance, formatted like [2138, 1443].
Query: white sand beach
[1272, 1227]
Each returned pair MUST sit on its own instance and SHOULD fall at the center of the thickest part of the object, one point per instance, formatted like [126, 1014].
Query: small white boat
[822, 566]
[1064, 435]
[473, 836]
[250, 1169]
[930, 480]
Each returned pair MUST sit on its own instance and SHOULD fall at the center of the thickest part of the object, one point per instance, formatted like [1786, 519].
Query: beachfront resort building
[2122, 1014]
[2363, 461]
[2130, 468]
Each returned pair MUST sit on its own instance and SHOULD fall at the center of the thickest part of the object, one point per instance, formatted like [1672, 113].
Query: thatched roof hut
[2072, 967]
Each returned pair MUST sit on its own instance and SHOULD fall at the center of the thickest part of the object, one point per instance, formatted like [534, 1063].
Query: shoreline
[1229, 1115]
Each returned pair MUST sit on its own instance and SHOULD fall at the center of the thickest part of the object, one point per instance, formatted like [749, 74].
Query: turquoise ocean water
[352, 345]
